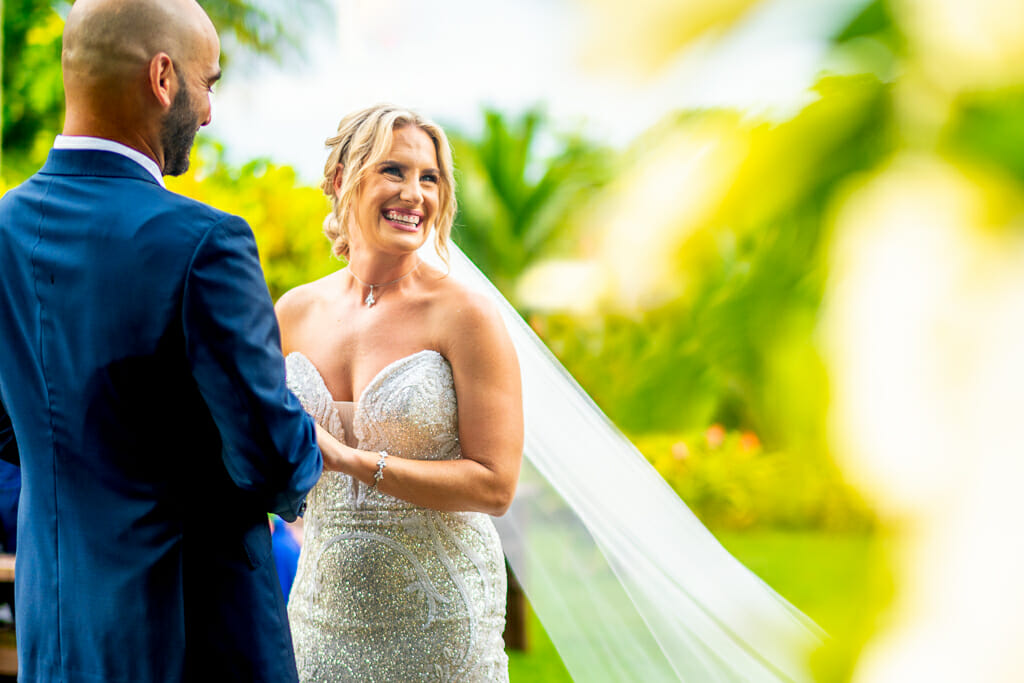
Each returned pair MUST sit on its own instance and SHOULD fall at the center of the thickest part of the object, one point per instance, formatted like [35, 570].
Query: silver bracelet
[379, 474]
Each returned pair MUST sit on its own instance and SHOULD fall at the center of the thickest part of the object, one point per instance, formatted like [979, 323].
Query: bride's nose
[411, 191]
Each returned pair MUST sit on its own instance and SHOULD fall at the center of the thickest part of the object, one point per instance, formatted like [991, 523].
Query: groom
[141, 382]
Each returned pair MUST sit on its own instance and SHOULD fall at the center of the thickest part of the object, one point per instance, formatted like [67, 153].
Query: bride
[401, 574]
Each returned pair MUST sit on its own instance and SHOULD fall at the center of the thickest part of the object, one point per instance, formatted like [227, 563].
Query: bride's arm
[489, 391]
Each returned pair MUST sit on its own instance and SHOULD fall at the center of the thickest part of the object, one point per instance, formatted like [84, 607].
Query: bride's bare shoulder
[299, 300]
[466, 315]
[300, 305]
[452, 298]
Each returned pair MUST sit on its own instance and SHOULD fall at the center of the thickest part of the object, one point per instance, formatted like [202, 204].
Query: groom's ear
[161, 76]
[338, 173]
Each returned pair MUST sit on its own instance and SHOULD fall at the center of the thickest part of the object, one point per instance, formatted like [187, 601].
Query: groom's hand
[334, 452]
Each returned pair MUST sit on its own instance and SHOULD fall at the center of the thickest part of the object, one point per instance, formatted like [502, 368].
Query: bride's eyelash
[397, 171]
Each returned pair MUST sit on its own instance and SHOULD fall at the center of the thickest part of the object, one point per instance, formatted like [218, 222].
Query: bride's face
[396, 204]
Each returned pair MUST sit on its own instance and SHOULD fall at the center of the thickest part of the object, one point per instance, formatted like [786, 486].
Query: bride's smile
[403, 220]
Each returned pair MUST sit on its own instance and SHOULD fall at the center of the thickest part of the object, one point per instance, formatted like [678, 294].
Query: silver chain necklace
[370, 300]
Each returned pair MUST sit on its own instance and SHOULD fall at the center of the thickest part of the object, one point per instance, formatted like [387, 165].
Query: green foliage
[839, 580]
[33, 92]
[285, 216]
[264, 28]
[737, 346]
[731, 482]
[514, 201]
[986, 129]
[842, 581]
[874, 21]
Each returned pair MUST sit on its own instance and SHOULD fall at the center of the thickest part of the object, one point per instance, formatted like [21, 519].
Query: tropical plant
[264, 28]
[734, 343]
[731, 481]
[33, 92]
[880, 233]
[516, 201]
[32, 99]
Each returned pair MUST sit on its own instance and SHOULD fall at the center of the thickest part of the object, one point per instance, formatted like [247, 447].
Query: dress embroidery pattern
[385, 590]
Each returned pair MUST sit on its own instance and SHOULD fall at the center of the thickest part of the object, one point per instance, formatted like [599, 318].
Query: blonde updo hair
[364, 138]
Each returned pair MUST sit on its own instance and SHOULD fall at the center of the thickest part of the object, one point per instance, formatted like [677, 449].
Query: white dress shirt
[104, 145]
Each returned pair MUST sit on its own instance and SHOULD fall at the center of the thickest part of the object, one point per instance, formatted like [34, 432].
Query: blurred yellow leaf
[965, 44]
[659, 203]
[647, 34]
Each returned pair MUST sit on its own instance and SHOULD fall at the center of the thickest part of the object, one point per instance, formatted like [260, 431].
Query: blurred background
[778, 241]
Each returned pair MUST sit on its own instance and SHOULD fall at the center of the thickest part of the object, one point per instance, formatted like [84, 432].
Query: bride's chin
[400, 248]
[412, 240]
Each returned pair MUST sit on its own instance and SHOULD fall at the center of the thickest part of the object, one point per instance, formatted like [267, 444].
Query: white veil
[627, 582]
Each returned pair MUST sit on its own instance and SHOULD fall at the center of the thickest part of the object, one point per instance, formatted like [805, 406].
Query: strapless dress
[386, 590]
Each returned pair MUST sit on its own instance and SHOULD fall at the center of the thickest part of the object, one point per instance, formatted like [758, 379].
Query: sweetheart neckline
[377, 379]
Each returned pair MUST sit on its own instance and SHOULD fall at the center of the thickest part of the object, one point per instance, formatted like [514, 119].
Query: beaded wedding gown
[386, 590]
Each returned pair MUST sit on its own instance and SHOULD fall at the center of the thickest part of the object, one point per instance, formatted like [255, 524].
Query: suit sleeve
[269, 442]
[8, 445]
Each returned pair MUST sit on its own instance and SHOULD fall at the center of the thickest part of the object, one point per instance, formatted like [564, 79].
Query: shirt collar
[104, 145]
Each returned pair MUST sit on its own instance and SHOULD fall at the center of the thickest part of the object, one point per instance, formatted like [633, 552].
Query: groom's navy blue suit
[142, 386]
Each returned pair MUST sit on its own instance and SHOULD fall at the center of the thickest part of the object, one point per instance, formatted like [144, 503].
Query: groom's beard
[177, 133]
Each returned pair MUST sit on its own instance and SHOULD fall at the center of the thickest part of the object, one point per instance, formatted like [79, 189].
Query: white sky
[449, 58]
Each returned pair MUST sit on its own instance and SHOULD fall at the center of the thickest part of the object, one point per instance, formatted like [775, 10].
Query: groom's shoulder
[161, 213]
[190, 220]
[185, 208]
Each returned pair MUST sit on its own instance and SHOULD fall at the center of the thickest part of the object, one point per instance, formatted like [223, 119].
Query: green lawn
[838, 580]
[540, 662]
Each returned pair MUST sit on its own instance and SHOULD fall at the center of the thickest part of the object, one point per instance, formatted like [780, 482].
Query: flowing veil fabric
[628, 583]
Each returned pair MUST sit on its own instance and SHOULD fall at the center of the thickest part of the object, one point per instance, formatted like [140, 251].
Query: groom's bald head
[107, 41]
[134, 68]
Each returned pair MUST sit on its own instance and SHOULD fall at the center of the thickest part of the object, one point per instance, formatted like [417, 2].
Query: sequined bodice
[408, 409]
[387, 590]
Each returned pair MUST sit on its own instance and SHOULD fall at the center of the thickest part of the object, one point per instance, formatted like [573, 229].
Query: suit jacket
[143, 390]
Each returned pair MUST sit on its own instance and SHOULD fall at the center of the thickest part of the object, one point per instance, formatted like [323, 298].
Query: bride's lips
[407, 221]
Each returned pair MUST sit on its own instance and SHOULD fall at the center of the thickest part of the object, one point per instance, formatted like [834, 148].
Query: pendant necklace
[370, 300]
